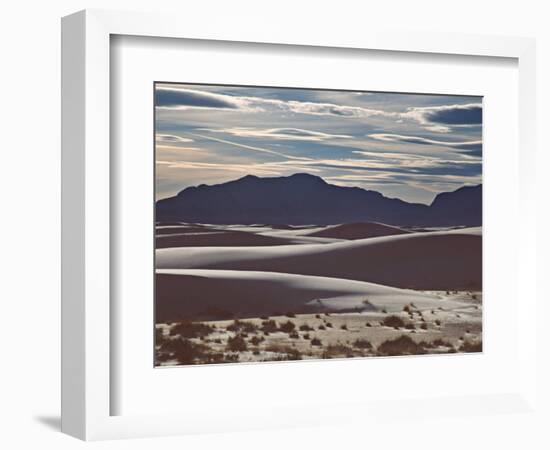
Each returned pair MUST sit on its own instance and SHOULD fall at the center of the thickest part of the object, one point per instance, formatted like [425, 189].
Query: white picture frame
[87, 386]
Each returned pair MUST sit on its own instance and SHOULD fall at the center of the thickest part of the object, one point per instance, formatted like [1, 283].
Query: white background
[141, 389]
[29, 380]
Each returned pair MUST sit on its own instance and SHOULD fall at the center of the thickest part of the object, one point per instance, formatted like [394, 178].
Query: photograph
[295, 223]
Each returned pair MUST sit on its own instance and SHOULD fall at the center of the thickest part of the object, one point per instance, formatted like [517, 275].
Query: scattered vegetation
[424, 326]
[305, 327]
[362, 343]
[403, 345]
[255, 340]
[344, 327]
[393, 321]
[287, 327]
[191, 330]
[316, 341]
[269, 326]
[236, 344]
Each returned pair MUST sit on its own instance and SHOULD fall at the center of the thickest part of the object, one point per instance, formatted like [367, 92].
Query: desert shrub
[322, 327]
[287, 327]
[185, 351]
[255, 340]
[438, 322]
[424, 326]
[471, 347]
[407, 308]
[316, 341]
[217, 341]
[317, 316]
[328, 324]
[190, 330]
[293, 335]
[368, 324]
[410, 326]
[336, 350]
[305, 327]
[403, 345]
[362, 343]
[344, 327]
[236, 344]
[256, 352]
[245, 327]
[385, 311]
[235, 326]
[393, 321]
[307, 337]
[269, 326]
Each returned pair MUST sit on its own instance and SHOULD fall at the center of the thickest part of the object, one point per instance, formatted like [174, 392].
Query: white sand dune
[188, 293]
[360, 230]
[434, 260]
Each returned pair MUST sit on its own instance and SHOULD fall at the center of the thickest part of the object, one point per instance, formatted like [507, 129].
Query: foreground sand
[454, 326]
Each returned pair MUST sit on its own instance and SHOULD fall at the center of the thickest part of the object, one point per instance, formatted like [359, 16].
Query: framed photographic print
[251, 208]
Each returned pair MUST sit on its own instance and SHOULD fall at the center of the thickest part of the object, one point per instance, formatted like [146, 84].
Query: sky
[407, 146]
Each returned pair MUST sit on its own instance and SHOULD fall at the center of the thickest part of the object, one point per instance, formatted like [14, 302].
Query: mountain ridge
[302, 198]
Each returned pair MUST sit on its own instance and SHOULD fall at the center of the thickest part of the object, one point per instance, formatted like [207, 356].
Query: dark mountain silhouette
[302, 199]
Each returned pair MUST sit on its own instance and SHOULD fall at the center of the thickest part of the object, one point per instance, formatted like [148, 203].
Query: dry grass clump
[305, 327]
[269, 326]
[187, 329]
[393, 321]
[255, 340]
[316, 342]
[403, 345]
[244, 327]
[236, 344]
[362, 344]
[338, 350]
[184, 351]
[285, 353]
[287, 327]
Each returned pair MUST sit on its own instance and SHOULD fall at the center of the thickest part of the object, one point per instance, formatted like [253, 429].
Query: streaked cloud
[293, 134]
[473, 146]
[443, 118]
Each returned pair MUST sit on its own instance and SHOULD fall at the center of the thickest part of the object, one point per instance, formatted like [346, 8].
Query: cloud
[471, 146]
[295, 134]
[181, 98]
[442, 118]
[249, 147]
[171, 139]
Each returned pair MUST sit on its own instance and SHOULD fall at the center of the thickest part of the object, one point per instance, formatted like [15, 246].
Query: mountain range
[304, 199]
